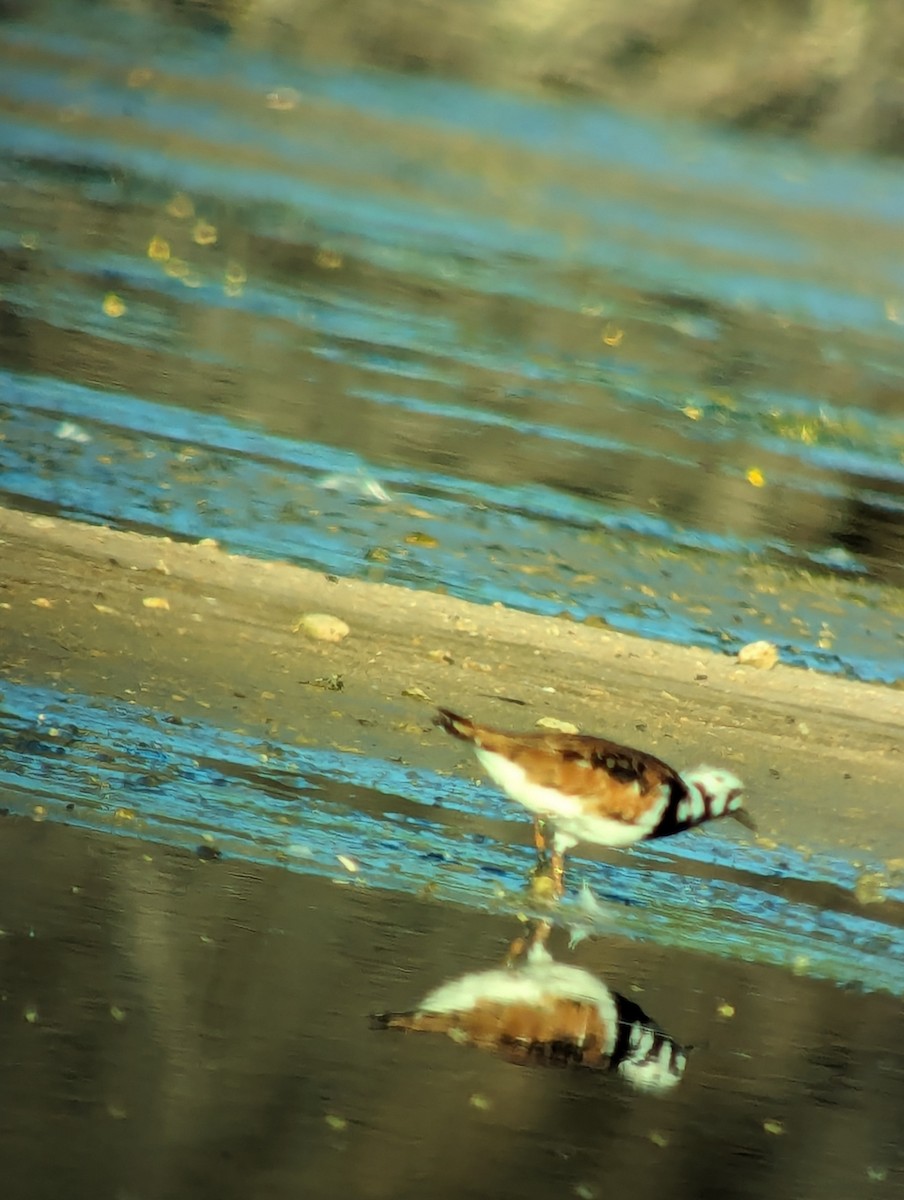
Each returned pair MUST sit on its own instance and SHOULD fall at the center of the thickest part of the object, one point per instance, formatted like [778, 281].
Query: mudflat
[195, 630]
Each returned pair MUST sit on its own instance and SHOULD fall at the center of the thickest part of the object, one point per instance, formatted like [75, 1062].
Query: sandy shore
[193, 630]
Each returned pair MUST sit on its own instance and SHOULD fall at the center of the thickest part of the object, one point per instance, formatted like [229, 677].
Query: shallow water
[403, 329]
[181, 1028]
[396, 827]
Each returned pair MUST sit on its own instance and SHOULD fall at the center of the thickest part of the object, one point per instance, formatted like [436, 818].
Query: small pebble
[557, 725]
[323, 627]
[762, 655]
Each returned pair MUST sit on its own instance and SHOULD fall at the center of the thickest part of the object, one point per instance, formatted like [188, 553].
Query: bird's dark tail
[386, 1020]
[413, 1022]
[460, 727]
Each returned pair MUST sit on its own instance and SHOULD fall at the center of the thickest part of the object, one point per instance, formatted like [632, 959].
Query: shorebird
[548, 1013]
[594, 790]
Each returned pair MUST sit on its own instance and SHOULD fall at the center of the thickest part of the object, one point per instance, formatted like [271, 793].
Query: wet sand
[820, 756]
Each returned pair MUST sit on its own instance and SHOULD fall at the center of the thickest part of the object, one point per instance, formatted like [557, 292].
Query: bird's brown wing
[558, 1031]
[614, 781]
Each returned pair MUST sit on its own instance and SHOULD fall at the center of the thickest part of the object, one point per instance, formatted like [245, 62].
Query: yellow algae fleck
[328, 260]
[204, 234]
[113, 305]
[159, 249]
[181, 207]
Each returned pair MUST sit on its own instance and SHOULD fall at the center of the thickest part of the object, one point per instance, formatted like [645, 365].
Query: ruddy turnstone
[594, 790]
[548, 1013]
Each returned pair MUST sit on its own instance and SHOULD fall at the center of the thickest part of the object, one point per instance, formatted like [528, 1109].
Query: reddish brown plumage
[537, 1011]
[610, 780]
[561, 1030]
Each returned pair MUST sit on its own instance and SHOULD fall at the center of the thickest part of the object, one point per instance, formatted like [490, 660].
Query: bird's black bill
[742, 815]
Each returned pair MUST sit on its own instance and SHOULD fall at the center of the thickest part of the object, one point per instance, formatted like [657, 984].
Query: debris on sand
[323, 627]
[762, 655]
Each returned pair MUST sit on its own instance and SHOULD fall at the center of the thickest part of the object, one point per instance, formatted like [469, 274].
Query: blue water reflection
[627, 370]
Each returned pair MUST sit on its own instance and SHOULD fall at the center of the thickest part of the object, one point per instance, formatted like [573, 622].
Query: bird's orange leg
[535, 934]
[540, 835]
[557, 865]
[546, 877]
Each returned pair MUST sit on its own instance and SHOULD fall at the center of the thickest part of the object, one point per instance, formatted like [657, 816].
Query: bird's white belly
[603, 831]
[573, 822]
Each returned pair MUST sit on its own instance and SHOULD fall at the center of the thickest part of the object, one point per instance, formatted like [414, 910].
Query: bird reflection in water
[537, 1011]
